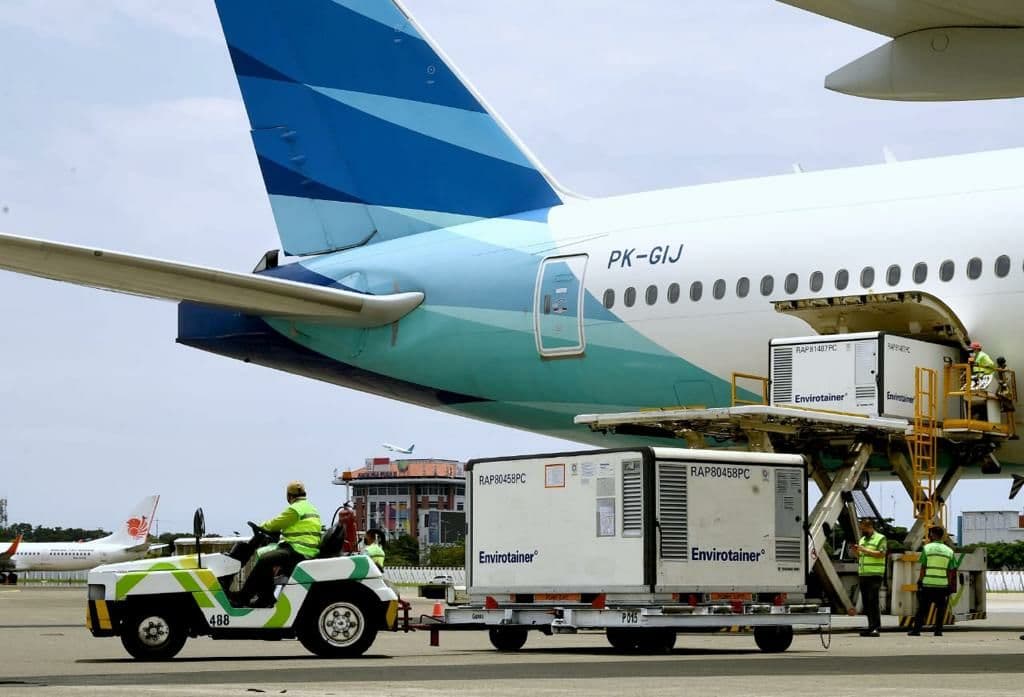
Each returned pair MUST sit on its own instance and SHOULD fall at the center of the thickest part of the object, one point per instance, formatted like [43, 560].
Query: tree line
[1002, 555]
[42, 533]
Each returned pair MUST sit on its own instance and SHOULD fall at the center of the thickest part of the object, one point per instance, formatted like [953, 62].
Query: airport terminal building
[424, 498]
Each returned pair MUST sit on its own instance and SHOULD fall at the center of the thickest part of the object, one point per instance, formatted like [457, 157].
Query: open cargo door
[912, 314]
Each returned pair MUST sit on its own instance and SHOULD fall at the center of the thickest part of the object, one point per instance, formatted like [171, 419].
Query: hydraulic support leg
[828, 509]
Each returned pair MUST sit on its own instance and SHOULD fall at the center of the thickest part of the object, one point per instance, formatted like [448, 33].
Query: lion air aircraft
[436, 262]
[128, 543]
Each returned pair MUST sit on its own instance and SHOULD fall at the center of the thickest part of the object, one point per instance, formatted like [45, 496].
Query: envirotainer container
[640, 522]
[866, 373]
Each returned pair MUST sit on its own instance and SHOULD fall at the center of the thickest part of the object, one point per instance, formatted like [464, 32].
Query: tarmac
[46, 650]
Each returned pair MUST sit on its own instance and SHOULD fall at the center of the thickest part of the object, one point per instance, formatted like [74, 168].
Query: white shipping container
[868, 373]
[637, 521]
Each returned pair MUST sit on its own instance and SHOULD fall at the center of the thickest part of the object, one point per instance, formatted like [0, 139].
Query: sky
[121, 126]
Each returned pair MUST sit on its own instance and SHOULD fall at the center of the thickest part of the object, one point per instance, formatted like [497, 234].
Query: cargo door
[558, 306]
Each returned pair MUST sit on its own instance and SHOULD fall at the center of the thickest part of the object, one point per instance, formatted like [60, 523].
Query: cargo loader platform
[911, 446]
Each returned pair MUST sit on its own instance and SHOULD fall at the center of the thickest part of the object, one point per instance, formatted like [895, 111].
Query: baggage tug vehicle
[334, 605]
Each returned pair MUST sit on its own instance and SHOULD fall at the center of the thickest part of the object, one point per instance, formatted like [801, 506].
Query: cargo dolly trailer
[640, 543]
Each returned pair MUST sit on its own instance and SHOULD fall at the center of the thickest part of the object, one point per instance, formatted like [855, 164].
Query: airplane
[397, 449]
[128, 543]
[436, 261]
[5, 556]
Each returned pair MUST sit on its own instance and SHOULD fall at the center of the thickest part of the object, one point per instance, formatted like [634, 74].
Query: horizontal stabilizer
[263, 296]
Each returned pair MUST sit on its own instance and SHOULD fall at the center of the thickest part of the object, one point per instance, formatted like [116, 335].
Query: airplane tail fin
[134, 530]
[364, 131]
[11, 550]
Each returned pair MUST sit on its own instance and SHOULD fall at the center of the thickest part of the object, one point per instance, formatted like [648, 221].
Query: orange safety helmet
[975, 345]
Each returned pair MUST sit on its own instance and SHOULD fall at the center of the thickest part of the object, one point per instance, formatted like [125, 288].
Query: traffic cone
[438, 614]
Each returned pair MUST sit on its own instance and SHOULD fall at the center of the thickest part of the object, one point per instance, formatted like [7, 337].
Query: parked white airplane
[397, 449]
[442, 265]
[128, 543]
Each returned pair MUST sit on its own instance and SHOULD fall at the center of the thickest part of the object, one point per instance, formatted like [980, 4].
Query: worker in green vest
[870, 551]
[936, 582]
[373, 550]
[300, 526]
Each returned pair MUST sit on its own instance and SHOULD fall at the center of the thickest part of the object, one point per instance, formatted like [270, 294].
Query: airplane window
[1002, 266]
[867, 277]
[842, 279]
[651, 296]
[946, 270]
[609, 298]
[920, 272]
[767, 285]
[673, 292]
[817, 281]
[792, 283]
[974, 268]
[718, 290]
[696, 290]
[742, 286]
[629, 297]
[892, 275]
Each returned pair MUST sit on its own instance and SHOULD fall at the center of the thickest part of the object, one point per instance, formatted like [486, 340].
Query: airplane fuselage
[68, 556]
[678, 289]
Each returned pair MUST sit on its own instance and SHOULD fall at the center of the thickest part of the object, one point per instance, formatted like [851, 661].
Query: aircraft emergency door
[558, 306]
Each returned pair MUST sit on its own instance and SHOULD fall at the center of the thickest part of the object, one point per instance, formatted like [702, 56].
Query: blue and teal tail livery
[363, 131]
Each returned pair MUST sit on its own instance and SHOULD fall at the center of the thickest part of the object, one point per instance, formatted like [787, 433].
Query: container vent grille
[632, 498]
[673, 516]
[782, 375]
[787, 550]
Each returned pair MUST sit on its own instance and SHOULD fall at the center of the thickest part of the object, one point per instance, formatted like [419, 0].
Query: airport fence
[415, 575]
[53, 578]
[1005, 581]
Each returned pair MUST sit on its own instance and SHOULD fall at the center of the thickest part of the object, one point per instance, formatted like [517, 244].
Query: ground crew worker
[870, 550]
[981, 362]
[299, 525]
[936, 581]
[373, 549]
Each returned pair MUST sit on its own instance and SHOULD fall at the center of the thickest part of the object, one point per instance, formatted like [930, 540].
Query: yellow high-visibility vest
[936, 558]
[872, 566]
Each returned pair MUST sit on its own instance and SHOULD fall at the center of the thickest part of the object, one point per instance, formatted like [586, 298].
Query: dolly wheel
[507, 639]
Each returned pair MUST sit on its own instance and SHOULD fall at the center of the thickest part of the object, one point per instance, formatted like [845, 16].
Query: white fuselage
[901, 214]
[70, 556]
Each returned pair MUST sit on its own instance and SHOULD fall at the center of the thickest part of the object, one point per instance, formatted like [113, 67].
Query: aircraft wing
[263, 296]
[940, 50]
[897, 17]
